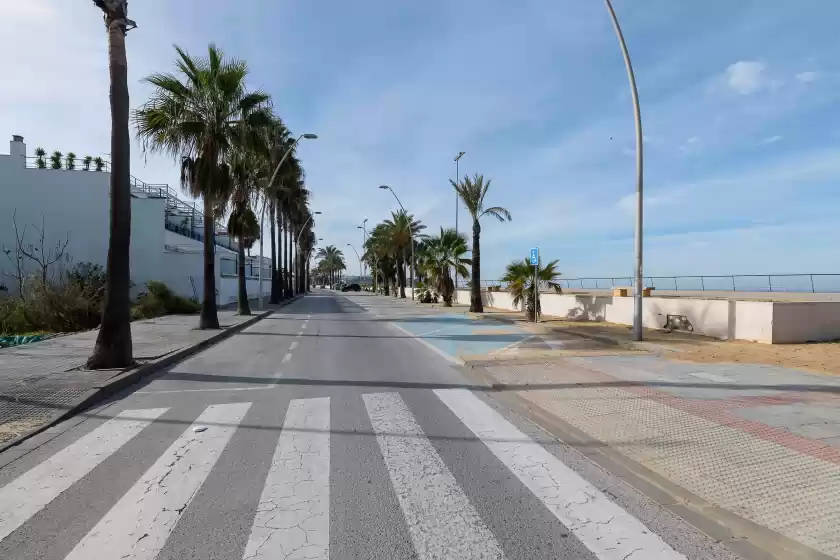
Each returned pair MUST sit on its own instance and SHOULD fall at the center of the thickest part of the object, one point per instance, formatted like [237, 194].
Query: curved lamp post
[637, 117]
[411, 233]
[265, 201]
[358, 257]
[297, 241]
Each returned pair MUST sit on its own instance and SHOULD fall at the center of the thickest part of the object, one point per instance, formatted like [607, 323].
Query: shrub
[160, 300]
[41, 160]
[55, 160]
[99, 163]
[86, 163]
[71, 161]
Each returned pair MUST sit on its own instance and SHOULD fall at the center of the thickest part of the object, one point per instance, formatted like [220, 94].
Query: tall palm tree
[202, 116]
[520, 278]
[472, 193]
[442, 255]
[402, 229]
[242, 222]
[113, 347]
[332, 260]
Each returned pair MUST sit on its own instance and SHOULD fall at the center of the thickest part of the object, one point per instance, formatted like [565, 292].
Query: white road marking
[287, 357]
[303, 326]
[601, 525]
[440, 518]
[293, 516]
[26, 495]
[294, 345]
[139, 524]
[300, 333]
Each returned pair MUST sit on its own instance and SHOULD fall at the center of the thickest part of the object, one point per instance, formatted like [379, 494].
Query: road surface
[321, 432]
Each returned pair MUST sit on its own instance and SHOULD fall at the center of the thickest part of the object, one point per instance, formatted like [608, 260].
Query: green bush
[49, 307]
[160, 300]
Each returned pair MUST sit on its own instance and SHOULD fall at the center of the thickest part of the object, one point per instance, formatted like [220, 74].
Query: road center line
[287, 357]
[25, 496]
[601, 525]
[293, 345]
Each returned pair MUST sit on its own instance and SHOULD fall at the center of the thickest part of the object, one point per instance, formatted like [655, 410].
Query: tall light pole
[410, 232]
[265, 201]
[637, 117]
[358, 257]
[364, 241]
[297, 242]
[308, 261]
[457, 178]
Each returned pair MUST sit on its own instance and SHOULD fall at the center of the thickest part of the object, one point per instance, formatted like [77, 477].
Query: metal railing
[227, 267]
[810, 282]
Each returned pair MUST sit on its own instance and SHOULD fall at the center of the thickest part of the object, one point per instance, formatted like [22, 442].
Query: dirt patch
[819, 357]
[15, 428]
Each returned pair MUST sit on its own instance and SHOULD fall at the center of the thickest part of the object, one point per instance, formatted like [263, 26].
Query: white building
[73, 204]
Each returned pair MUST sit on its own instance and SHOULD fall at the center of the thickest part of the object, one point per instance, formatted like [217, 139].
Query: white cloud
[770, 140]
[807, 77]
[692, 140]
[746, 76]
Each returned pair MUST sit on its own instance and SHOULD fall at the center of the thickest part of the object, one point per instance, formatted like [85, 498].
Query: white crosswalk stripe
[293, 516]
[28, 494]
[139, 524]
[440, 518]
[602, 526]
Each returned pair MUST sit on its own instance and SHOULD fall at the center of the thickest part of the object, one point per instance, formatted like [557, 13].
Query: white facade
[74, 205]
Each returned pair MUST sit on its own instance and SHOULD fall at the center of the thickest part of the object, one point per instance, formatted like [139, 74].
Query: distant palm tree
[472, 193]
[41, 161]
[243, 225]
[332, 259]
[113, 348]
[55, 160]
[520, 278]
[203, 116]
[402, 229]
[86, 163]
[71, 160]
[441, 255]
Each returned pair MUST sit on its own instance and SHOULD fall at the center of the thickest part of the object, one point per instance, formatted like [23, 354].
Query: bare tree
[39, 253]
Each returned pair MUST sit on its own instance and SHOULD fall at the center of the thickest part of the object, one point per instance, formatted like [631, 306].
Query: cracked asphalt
[321, 432]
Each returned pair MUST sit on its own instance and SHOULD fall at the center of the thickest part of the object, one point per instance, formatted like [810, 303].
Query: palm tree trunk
[113, 347]
[209, 318]
[242, 305]
[275, 284]
[475, 292]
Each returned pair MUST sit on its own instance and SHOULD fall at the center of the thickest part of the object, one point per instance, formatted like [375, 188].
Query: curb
[131, 376]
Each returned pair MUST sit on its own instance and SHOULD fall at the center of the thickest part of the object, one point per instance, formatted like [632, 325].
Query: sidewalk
[41, 381]
[760, 442]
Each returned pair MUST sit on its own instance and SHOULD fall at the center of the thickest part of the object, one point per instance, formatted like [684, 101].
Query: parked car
[351, 288]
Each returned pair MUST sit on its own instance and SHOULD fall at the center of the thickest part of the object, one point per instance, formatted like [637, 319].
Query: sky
[739, 107]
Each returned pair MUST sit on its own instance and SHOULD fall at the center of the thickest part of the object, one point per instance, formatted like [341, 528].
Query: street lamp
[410, 232]
[265, 201]
[364, 240]
[308, 262]
[297, 242]
[637, 118]
[358, 257]
[457, 178]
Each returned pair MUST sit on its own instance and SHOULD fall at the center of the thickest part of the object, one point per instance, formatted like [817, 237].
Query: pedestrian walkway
[139, 514]
[40, 380]
[762, 442]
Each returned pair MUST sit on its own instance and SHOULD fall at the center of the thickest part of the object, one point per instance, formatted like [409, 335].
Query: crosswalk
[292, 517]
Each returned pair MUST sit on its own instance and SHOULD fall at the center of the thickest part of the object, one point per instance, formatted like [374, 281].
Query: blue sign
[535, 256]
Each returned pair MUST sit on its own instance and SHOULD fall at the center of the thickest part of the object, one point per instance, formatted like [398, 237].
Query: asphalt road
[321, 432]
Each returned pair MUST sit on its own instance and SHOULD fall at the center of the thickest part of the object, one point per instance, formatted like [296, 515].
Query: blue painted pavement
[458, 336]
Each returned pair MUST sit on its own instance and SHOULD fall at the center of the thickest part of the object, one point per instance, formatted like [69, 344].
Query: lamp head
[310, 136]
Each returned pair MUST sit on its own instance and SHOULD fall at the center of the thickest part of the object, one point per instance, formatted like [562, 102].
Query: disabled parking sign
[535, 256]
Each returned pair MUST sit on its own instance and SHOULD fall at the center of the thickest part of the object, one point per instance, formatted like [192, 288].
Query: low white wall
[228, 288]
[751, 320]
[806, 321]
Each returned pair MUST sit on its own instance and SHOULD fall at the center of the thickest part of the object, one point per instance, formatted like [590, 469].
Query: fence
[814, 283]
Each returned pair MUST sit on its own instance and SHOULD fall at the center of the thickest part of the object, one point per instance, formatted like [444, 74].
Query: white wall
[806, 321]
[228, 289]
[74, 204]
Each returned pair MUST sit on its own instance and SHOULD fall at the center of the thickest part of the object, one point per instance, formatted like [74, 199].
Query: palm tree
[520, 278]
[113, 348]
[472, 193]
[378, 254]
[242, 222]
[440, 256]
[203, 116]
[277, 138]
[41, 161]
[332, 259]
[402, 229]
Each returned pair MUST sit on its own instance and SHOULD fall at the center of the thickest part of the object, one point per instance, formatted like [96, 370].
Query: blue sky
[739, 103]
